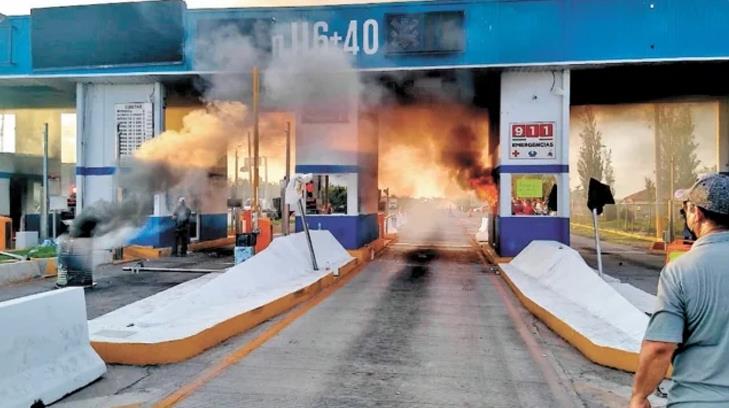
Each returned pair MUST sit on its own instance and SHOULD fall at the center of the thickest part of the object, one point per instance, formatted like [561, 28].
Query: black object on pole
[552, 199]
[598, 195]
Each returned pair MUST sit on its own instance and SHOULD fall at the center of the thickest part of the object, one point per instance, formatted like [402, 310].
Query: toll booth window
[326, 195]
[534, 195]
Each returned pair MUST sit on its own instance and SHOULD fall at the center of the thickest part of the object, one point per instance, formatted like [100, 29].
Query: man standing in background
[181, 218]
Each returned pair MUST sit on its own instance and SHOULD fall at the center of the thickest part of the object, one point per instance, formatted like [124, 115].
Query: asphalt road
[631, 264]
[423, 325]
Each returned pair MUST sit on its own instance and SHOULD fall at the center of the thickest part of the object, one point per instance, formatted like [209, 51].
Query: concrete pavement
[422, 325]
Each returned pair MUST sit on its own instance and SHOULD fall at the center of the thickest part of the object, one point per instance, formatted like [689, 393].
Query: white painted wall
[96, 141]
[535, 96]
[330, 144]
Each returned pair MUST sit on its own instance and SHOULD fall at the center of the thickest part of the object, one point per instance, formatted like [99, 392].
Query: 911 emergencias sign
[532, 141]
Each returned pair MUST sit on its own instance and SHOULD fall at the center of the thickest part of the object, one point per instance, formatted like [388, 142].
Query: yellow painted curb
[215, 243]
[145, 252]
[183, 349]
[51, 268]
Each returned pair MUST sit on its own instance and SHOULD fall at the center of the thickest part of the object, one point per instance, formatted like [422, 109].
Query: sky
[12, 8]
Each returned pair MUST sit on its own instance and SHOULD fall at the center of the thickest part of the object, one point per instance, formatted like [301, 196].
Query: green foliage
[650, 187]
[676, 148]
[35, 252]
[338, 198]
[595, 161]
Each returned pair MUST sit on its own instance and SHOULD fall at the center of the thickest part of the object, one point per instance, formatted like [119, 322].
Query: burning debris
[462, 157]
[425, 148]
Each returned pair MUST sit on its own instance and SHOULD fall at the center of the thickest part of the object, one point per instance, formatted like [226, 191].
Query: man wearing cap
[690, 326]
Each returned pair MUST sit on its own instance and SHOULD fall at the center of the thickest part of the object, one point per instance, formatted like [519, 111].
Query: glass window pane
[68, 138]
[7, 133]
[534, 194]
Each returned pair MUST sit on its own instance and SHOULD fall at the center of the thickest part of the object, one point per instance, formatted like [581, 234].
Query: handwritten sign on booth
[529, 188]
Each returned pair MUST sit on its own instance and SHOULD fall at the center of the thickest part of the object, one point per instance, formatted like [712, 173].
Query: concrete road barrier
[554, 282]
[182, 322]
[22, 271]
[45, 351]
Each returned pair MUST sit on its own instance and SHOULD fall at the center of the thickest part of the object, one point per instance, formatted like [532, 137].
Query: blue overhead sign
[147, 32]
[467, 33]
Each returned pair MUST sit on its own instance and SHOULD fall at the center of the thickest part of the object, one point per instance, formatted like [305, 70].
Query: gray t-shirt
[693, 311]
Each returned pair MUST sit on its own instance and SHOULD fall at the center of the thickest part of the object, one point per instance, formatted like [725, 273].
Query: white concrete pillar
[534, 140]
[97, 150]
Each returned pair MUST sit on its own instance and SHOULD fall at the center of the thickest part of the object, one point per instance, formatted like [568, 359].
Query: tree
[650, 188]
[608, 171]
[676, 148]
[590, 164]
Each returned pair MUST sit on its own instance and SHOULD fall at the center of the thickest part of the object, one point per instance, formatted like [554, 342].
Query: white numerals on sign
[351, 41]
[305, 36]
[370, 37]
[320, 34]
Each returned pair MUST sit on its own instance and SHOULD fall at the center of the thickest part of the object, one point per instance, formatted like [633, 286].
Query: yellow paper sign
[528, 188]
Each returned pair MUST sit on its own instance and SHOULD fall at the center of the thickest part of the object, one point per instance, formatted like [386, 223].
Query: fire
[485, 191]
[436, 151]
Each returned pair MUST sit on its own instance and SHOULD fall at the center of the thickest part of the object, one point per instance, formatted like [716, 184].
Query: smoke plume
[191, 162]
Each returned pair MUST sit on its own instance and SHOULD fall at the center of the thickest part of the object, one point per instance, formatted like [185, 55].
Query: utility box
[26, 239]
[6, 233]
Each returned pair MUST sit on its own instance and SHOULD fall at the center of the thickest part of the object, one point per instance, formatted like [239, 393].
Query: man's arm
[653, 363]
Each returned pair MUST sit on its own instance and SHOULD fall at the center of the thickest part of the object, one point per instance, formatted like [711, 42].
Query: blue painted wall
[213, 226]
[352, 231]
[515, 233]
[497, 32]
[158, 232]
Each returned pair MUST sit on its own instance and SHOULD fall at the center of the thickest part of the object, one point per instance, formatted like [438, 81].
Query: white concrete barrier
[22, 271]
[589, 312]
[482, 235]
[176, 324]
[45, 351]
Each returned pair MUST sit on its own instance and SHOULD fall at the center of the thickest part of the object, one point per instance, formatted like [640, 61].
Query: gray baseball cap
[710, 192]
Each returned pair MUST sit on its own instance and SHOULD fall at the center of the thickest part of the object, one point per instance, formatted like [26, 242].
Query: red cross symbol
[515, 153]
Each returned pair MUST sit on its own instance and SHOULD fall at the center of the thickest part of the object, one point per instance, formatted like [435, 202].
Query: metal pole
[256, 193]
[670, 195]
[250, 168]
[659, 189]
[265, 175]
[302, 210]
[387, 209]
[286, 219]
[237, 170]
[597, 242]
[44, 203]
